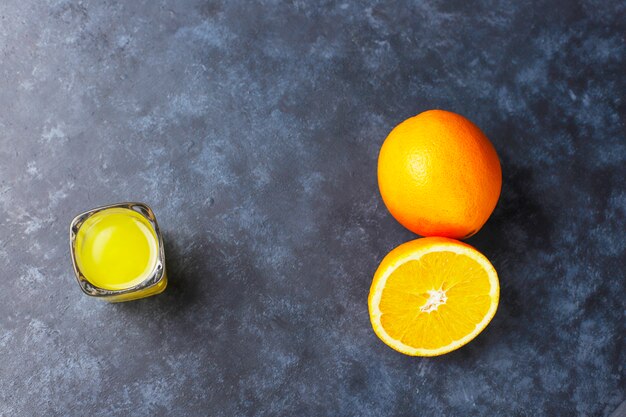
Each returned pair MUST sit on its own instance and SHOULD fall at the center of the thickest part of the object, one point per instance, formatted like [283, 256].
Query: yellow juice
[116, 249]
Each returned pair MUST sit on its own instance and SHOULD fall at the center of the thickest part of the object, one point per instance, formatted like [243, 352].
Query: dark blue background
[253, 129]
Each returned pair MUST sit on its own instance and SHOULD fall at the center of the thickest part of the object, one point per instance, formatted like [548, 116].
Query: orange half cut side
[432, 295]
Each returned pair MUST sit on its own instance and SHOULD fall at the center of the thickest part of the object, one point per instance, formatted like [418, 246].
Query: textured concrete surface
[252, 129]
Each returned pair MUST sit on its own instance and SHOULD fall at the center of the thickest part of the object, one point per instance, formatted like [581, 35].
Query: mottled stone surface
[252, 129]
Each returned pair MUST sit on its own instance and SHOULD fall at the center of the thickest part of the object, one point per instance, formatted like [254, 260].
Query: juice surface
[116, 248]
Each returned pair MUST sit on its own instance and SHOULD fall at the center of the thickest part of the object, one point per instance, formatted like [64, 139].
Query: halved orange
[432, 295]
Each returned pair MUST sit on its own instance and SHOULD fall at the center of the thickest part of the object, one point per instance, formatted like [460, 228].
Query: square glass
[154, 281]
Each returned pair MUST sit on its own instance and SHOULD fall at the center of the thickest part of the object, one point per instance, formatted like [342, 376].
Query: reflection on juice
[116, 249]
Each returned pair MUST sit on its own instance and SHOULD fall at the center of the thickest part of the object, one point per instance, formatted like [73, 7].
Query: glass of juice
[117, 252]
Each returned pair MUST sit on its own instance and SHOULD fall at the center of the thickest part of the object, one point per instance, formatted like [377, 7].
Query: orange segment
[432, 295]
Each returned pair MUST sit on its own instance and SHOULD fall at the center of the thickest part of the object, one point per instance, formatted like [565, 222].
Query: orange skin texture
[439, 175]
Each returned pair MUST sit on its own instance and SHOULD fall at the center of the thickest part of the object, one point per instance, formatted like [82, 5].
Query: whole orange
[439, 175]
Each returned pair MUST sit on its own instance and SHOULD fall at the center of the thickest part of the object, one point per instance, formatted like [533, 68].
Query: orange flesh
[435, 300]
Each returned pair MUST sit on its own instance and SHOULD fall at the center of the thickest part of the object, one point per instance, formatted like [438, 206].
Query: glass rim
[158, 272]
